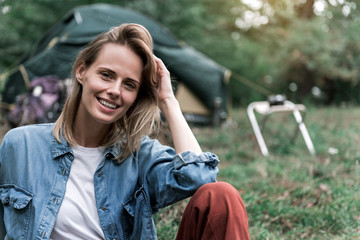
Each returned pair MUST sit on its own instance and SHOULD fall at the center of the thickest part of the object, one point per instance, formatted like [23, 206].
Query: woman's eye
[130, 85]
[106, 75]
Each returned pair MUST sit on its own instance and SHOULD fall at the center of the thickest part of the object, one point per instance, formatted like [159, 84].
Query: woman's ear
[80, 71]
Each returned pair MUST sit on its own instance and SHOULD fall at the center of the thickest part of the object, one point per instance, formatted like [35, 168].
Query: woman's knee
[218, 206]
[218, 189]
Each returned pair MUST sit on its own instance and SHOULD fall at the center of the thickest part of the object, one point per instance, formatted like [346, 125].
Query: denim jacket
[34, 169]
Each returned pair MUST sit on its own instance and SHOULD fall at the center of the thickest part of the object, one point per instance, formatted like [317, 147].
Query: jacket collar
[113, 151]
[61, 148]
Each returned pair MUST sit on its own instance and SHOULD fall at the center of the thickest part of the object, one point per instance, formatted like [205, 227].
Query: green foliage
[295, 46]
[291, 194]
[329, 58]
[23, 23]
[320, 51]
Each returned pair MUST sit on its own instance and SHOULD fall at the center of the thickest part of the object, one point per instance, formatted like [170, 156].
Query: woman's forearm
[183, 137]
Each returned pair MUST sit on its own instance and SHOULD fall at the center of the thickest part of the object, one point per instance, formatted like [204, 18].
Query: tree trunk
[306, 10]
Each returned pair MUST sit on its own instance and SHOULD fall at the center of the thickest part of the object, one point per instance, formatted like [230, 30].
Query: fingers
[160, 66]
[165, 87]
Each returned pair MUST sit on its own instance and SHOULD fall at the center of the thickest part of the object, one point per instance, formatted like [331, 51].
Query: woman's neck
[89, 135]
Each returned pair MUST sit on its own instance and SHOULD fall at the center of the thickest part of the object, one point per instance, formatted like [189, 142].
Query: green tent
[201, 83]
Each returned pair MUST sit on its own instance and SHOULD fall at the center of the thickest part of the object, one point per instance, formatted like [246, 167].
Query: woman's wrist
[169, 105]
[183, 138]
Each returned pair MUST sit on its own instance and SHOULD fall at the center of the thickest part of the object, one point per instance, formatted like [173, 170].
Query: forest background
[306, 49]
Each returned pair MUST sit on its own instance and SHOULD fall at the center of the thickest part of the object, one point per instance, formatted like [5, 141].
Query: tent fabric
[56, 51]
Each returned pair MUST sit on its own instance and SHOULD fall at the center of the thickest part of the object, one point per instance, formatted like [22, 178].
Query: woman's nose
[115, 88]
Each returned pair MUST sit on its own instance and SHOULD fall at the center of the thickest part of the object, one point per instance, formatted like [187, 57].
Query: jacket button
[99, 174]
[103, 208]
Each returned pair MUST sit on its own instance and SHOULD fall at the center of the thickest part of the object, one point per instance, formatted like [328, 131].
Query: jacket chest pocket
[138, 222]
[15, 201]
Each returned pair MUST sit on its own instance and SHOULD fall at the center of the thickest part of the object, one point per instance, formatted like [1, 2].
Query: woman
[95, 175]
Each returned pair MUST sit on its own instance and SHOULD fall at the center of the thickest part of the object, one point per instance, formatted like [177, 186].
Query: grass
[290, 194]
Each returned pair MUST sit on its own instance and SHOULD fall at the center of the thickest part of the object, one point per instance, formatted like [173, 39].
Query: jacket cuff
[184, 158]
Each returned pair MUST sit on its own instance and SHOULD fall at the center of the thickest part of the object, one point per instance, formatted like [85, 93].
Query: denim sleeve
[171, 177]
[2, 224]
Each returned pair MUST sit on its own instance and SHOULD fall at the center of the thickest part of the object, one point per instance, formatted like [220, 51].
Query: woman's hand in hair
[183, 138]
[165, 89]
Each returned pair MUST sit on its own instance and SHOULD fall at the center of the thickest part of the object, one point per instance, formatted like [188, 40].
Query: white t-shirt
[77, 217]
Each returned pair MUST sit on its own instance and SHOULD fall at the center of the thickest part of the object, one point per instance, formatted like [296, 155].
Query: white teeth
[107, 104]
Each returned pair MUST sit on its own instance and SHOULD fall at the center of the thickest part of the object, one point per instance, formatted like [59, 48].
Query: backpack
[41, 104]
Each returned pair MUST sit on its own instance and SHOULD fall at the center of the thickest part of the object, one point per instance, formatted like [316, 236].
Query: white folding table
[264, 108]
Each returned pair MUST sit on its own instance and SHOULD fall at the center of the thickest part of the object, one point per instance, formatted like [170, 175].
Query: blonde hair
[142, 116]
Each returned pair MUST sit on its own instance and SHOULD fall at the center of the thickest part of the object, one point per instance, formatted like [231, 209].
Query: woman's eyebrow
[106, 69]
[134, 80]
[114, 73]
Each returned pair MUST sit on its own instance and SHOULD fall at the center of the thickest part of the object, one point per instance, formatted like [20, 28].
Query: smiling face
[109, 86]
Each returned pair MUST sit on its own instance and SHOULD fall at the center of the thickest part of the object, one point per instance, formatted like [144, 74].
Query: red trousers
[216, 211]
